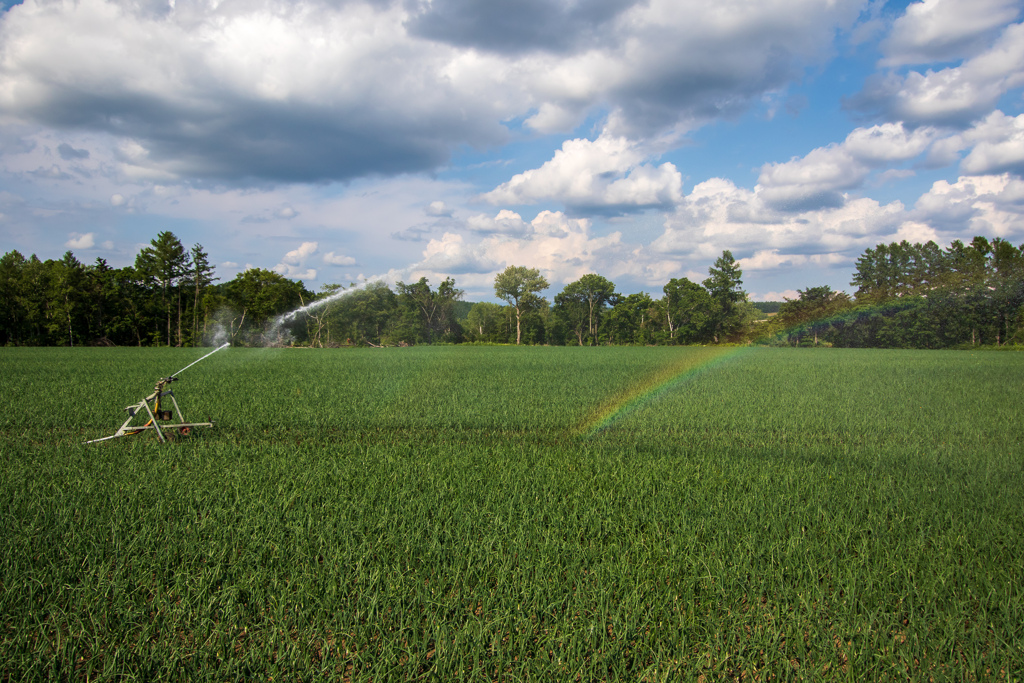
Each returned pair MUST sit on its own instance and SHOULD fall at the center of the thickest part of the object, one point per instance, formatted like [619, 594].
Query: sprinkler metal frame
[156, 415]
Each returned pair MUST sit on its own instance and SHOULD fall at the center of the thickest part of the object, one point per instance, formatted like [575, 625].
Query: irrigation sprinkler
[155, 408]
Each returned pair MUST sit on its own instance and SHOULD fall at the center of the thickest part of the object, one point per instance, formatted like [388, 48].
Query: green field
[519, 514]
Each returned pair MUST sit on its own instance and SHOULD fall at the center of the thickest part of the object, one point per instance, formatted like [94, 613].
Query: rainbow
[851, 315]
[691, 363]
[694, 361]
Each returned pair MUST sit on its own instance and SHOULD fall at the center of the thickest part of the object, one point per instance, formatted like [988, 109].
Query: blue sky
[345, 140]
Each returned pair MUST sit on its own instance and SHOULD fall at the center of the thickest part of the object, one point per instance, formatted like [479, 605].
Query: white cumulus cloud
[991, 205]
[293, 263]
[790, 294]
[438, 209]
[994, 144]
[609, 171]
[943, 30]
[334, 259]
[954, 95]
[305, 250]
[505, 223]
[562, 248]
[81, 241]
[999, 146]
[452, 254]
[717, 215]
[819, 178]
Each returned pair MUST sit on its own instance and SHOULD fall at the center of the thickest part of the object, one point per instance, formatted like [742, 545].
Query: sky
[340, 141]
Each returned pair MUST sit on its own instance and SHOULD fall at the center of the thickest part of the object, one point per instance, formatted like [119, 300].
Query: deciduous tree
[429, 315]
[514, 285]
[688, 311]
[484, 322]
[260, 296]
[631, 319]
[582, 304]
[67, 277]
[812, 311]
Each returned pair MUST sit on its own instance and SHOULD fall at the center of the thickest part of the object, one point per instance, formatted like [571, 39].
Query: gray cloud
[69, 153]
[800, 203]
[250, 139]
[703, 82]
[309, 93]
[919, 99]
[954, 96]
[239, 93]
[54, 172]
[515, 27]
[413, 233]
[13, 142]
[689, 67]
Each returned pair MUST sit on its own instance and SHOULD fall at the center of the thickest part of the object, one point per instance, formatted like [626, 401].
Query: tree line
[908, 295]
[914, 296]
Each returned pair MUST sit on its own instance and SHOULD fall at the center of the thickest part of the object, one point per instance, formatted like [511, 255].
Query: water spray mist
[313, 305]
[194, 362]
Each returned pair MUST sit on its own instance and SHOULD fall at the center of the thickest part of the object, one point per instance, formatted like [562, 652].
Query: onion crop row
[441, 513]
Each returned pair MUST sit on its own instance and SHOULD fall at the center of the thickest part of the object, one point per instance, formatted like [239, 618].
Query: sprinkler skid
[151, 406]
[155, 408]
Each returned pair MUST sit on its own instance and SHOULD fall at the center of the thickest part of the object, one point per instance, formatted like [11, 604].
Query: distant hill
[767, 306]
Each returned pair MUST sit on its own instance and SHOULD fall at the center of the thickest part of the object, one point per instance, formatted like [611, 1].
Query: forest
[906, 296]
